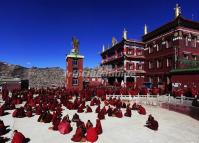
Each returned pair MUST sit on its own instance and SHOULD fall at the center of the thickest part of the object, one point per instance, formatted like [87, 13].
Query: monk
[55, 123]
[78, 136]
[19, 113]
[101, 115]
[88, 109]
[89, 124]
[141, 110]
[2, 112]
[98, 127]
[97, 109]
[91, 135]
[128, 112]
[110, 111]
[118, 112]
[18, 137]
[152, 123]
[2, 128]
[75, 117]
[64, 127]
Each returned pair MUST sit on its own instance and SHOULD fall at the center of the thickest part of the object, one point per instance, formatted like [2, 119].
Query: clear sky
[39, 32]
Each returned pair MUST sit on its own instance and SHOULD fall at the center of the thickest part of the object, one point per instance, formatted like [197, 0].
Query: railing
[155, 99]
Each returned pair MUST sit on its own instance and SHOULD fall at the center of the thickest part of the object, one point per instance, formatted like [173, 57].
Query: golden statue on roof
[75, 43]
[177, 10]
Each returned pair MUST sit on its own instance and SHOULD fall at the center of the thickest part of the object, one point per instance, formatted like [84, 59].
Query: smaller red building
[74, 67]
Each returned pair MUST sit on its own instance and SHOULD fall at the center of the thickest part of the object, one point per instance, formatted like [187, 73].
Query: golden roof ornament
[145, 29]
[114, 41]
[177, 10]
[75, 43]
[124, 34]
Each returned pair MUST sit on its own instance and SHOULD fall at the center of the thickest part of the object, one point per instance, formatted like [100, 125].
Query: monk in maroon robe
[97, 110]
[101, 115]
[91, 135]
[152, 123]
[2, 128]
[110, 111]
[18, 137]
[141, 110]
[2, 113]
[88, 109]
[128, 112]
[75, 117]
[98, 127]
[89, 124]
[78, 136]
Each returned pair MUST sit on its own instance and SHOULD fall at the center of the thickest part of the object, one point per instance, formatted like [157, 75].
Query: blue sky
[39, 32]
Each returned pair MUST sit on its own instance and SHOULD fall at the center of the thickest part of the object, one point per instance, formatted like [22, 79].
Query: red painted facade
[170, 47]
[124, 61]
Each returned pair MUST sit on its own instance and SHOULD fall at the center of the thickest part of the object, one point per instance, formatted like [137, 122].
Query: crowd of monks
[49, 104]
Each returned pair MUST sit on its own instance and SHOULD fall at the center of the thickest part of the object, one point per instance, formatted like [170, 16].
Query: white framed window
[158, 64]
[150, 65]
[186, 56]
[74, 63]
[167, 62]
[167, 44]
[75, 81]
[194, 57]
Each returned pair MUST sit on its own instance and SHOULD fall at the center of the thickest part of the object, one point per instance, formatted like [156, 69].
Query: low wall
[187, 110]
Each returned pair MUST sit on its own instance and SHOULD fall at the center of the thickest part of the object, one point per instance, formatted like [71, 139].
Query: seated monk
[75, 117]
[91, 135]
[134, 106]
[141, 110]
[89, 124]
[29, 111]
[55, 123]
[101, 115]
[64, 127]
[45, 117]
[38, 110]
[81, 123]
[98, 127]
[128, 112]
[78, 136]
[97, 110]
[88, 109]
[2, 111]
[2, 128]
[18, 137]
[103, 110]
[123, 105]
[66, 118]
[80, 110]
[152, 123]
[118, 112]
[110, 111]
[19, 113]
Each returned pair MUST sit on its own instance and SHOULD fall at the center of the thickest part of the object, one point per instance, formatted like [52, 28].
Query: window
[75, 81]
[194, 57]
[168, 62]
[150, 50]
[75, 73]
[74, 63]
[139, 67]
[150, 65]
[157, 47]
[186, 56]
[186, 41]
[167, 44]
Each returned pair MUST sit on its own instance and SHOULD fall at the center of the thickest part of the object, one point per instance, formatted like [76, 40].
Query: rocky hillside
[38, 77]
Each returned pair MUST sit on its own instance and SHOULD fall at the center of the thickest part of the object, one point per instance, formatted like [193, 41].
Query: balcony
[112, 58]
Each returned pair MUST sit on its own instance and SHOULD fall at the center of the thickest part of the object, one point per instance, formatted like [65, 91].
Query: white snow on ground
[173, 128]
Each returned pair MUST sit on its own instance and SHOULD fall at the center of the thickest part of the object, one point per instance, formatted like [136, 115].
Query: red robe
[77, 137]
[142, 110]
[98, 127]
[88, 109]
[91, 135]
[18, 138]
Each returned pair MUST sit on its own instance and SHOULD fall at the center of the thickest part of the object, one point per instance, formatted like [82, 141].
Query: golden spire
[177, 10]
[145, 29]
[124, 34]
[103, 48]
